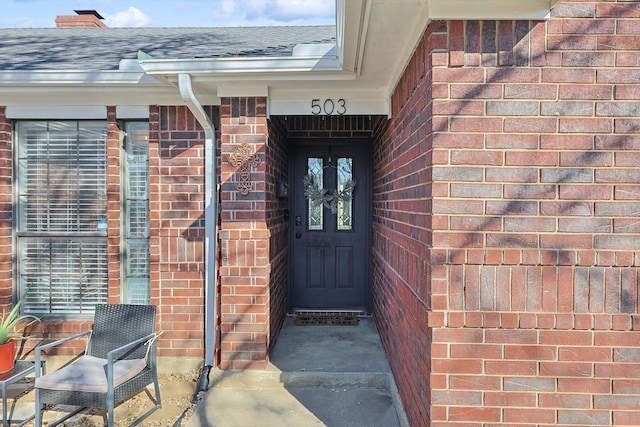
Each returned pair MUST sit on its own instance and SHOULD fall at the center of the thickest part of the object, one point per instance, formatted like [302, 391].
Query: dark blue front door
[330, 200]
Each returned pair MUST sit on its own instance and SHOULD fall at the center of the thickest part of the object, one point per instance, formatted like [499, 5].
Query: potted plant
[11, 326]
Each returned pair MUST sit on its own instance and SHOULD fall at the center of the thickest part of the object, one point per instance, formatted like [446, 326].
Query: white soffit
[490, 9]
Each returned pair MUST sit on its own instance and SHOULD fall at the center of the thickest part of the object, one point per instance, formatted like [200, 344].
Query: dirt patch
[179, 400]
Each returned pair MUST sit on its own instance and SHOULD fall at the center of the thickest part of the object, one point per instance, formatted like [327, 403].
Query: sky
[171, 13]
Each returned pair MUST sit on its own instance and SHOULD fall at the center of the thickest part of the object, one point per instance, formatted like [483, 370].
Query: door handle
[298, 235]
[298, 221]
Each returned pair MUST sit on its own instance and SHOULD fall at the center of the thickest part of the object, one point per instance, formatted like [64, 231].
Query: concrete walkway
[330, 376]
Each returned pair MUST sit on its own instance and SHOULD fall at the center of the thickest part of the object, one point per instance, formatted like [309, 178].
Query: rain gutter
[266, 66]
[211, 224]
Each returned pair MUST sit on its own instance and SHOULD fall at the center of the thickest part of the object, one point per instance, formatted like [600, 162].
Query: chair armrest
[38, 349]
[151, 338]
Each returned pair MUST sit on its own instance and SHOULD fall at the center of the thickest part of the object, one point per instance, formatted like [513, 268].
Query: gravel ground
[179, 400]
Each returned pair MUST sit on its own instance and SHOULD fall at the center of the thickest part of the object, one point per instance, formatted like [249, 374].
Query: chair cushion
[89, 374]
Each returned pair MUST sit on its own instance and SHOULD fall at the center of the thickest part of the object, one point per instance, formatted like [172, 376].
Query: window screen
[61, 215]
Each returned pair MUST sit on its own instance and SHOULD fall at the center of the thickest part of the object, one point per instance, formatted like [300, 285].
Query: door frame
[296, 187]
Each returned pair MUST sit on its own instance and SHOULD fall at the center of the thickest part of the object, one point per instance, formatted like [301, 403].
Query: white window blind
[61, 215]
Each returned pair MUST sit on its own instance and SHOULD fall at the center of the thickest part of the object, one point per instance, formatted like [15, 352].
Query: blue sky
[171, 13]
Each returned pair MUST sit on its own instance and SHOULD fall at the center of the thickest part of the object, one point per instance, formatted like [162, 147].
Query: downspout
[211, 227]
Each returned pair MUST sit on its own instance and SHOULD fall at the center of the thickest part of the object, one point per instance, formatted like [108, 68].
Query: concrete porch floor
[318, 376]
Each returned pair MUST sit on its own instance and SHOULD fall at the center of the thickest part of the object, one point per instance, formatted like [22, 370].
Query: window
[136, 213]
[61, 230]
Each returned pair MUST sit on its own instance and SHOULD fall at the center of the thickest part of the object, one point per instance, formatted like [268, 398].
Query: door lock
[298, 221]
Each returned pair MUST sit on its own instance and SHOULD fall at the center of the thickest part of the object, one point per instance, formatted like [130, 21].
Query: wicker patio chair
[119, 362]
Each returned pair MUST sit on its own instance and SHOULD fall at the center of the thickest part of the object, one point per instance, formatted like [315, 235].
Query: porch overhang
[374, 41]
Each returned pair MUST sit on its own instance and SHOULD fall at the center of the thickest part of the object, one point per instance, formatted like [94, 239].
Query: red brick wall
[254, 229]
[245, 238]
[176, 151]
[277, 160]
[177, 230]
[402, 208]
[80, 21]
[334, 127]
[114, 207]
[533, 273]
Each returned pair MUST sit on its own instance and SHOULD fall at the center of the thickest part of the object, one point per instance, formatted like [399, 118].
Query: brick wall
[277, 160]
[334, 127]
[254, 230]
[176, 152]
[80, 21]
[114, 207]
[245, 236]
[177, 231]
[533, 271]
[402, 208]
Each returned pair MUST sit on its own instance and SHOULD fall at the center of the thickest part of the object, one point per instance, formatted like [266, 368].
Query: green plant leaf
[9, 329]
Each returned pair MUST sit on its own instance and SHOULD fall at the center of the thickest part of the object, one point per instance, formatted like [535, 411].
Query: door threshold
[330, 311]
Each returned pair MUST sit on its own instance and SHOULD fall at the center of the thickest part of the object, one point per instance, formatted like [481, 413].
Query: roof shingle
[103, 48]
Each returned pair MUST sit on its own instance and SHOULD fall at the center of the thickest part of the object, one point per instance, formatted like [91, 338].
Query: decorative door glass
[316, 211]
[345, 204]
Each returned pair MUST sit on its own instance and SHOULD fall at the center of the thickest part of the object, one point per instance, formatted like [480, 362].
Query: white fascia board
[132, 112]
[95, 95]
[351, 24]
[73, 77]
[240, 66]
[327, 101]
[489, 9]
[76, 112]
[303, 107]
[234, 90]
[59, 112]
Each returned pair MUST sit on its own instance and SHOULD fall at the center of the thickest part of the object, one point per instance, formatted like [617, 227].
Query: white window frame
[135, 217]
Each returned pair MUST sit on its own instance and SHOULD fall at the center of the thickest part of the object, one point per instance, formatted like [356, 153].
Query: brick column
[244, 235]
[114, 206]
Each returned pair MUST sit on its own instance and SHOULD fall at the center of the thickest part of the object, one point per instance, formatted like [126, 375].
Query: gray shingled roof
[103, 48]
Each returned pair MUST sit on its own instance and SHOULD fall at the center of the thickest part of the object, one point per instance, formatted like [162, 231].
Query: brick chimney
[84, 19]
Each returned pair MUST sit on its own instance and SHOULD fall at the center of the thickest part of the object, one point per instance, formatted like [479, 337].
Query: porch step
[295, 406]
[318, 376]
[273, 377]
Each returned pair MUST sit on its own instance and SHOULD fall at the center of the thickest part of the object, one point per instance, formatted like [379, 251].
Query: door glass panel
[315, 169]
[345, 187]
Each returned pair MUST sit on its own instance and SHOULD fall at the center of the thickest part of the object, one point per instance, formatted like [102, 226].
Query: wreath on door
[327, 198]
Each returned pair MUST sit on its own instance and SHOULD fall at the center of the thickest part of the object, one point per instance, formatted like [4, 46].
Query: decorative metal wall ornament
[245, 158]
[328, 198]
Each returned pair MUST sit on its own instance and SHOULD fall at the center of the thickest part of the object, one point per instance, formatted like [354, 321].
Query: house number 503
[328, 107]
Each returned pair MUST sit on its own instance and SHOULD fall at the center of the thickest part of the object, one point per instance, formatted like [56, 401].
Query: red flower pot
[7, 356]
